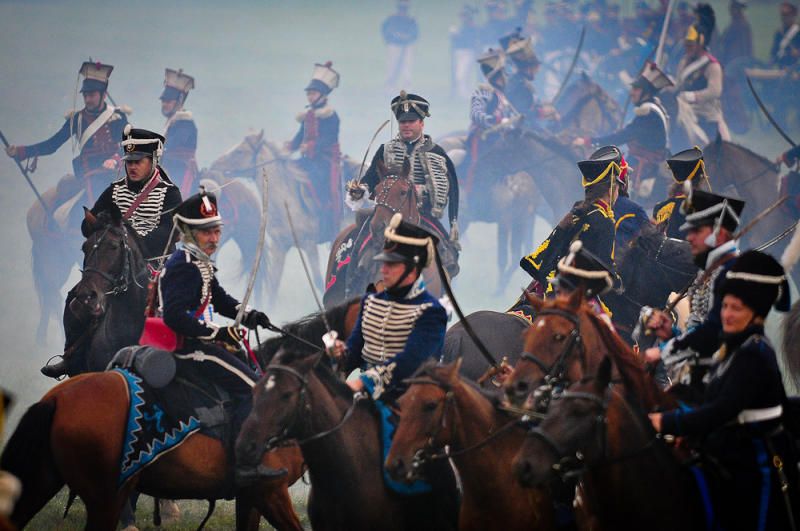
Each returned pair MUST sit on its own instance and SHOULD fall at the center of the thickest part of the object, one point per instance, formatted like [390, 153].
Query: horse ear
[454, 369]
[604, 374]
[116, 215]
[576, 299]
[535, 302]
[90, 218]
[381, 168]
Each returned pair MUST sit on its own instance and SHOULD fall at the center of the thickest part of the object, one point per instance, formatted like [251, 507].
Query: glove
[13, 151]
[688, 97]
[229, 337]
[255, 318]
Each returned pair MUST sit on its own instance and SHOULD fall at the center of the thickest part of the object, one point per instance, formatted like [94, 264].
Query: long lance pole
[664, 28]
[28, 179]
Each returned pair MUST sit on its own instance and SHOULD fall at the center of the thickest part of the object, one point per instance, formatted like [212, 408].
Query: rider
[96, 129]
[647, 134]
[318, 142]
[629, 215]
[711, 221]
[591, 220]
[145, 197]
[432, 171]
[741, 420]
[187, 286]
[401, 327]
[580, 269]
[521, 91]
[685, 166]
[180, 131]
[785, 52]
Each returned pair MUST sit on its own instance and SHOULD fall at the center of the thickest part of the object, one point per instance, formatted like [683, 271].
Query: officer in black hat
[145, 197]
[686, 166]
[401, 327]
[582, 270]
[432, 171]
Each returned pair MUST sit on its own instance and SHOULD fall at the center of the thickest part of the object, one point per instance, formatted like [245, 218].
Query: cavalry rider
[628, 214]
[521, 91]
[318, 143]
[187, 287]
[95, 128]
[401, 327]
[590, 221]
[432, 171]
[785, 52]
[686, 166]
[741, 422]
[698, 86]
[647, 134]
[180, 131]
[145, 197]
[711, 221]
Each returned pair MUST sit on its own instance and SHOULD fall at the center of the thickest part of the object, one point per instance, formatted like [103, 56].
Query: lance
[663, 38]
[28, 179]
[259, 250]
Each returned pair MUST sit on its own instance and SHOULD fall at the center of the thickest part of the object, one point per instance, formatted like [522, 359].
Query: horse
[629, 479]
[440, 410]
[587, 110]
[112, 292]
[300, 398]
[66, 434]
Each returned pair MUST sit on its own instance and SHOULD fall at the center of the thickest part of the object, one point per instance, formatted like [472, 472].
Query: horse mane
[321, 369]
[721, 143]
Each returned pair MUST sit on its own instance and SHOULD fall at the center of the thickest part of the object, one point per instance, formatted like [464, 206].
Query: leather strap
[142, 195]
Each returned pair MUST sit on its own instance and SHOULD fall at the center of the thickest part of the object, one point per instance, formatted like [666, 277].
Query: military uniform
[785, 51]
[400, 32]
[740, 422]
[685, 166]
[95, 135]
[521, 91]
[592, 223]
[180, 148]
[400, 328]
[318, 142]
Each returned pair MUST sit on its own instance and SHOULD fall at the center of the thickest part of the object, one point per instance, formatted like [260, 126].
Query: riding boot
[73, 356]
[249, 474]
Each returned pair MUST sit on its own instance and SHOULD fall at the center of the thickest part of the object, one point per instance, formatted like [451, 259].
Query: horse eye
[558, 337]
[429, 406]
[286, 396]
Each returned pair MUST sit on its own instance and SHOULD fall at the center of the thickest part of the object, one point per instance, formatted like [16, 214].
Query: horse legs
[49, 274]
[247, 518]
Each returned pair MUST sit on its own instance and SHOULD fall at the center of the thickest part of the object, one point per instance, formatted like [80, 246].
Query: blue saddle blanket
[387, 433]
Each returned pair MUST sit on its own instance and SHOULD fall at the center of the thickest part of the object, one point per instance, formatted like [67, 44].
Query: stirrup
[246, 476]
[56, 370]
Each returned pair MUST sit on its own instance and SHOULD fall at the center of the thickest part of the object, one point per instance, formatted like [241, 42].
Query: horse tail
[28, 450]
[791, 335]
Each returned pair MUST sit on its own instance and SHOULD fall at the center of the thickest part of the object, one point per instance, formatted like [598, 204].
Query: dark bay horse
[300, 398]
[629, 479]
[587, 110]
[440, 410]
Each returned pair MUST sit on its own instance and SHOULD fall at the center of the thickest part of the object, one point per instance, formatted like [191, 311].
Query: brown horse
[587, 110]
[629, 479]
[440, 410]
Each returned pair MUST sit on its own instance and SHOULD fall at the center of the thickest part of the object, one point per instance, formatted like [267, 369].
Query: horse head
[428, 421]
[112, 261]
[244, 159]
[395, 192]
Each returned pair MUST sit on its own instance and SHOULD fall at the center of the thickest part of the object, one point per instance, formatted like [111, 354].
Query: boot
[251, 474]
[56, 370]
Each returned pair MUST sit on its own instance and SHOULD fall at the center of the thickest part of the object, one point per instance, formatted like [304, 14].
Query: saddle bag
[158, 335]
[156, 367]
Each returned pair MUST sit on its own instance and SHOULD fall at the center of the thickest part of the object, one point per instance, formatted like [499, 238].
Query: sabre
[27, 178]
[767, 114]
[571, 67]
[366, 153]
[259, 250]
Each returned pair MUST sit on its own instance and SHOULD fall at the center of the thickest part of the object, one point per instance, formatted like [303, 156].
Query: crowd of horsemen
[721, 351]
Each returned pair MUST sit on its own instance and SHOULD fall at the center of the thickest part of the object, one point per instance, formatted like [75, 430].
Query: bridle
[382, 199]
[302, 412]
[121, 282]
[249, 171]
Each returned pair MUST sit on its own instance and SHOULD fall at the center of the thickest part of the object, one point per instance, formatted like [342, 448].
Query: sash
[142, 195]
[787, 38]
[99, 122]
[691, 68]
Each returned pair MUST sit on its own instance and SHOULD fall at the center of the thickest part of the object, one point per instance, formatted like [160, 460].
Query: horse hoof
[170, 512]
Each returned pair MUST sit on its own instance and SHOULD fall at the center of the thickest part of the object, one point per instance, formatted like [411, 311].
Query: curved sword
[366, 153]
[571, 68]
[262, 231]
[767, 114]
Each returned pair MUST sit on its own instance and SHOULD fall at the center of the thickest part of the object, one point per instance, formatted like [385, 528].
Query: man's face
[697, 239]
[411, 129]
[139, 170]
[735, 314]
[313, 96]
[93, 99]
[392, 271]
[636, 94]
[692, 48]
[208, 239]
[787, 17]
[168, 107]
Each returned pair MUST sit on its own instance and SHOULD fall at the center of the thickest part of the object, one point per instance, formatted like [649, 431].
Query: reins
[122, 282]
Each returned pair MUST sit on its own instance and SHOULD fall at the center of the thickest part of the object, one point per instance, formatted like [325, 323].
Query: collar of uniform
[325, 111]
[196, 252]
[416, 288]
[605, 208]
[718, 252]
[139, 186]
[95, 114]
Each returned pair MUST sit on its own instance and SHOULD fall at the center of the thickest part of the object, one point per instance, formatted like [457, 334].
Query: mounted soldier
[711, 221]
[785, 52]
[698, 87]
[318, 143]
[629, 216]
[521, 91]
[432, 172]
[94, 129]
[590, 221]
[179, 159]
[647, 134]
[686, 166]
[145, 197]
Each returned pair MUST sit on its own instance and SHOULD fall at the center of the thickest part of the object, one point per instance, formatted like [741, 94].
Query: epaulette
[69, 114]
[115, 116]
[325, 112]
[183, 115]
[642, 110]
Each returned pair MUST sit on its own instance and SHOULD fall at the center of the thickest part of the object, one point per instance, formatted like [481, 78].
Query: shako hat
[410, 107]
[602, 166]
[199, 211]
[95, 76]
[760, 281]
[176, 84]
[140, 143]
[582, 268]
[652, 79]
[703, 28]
[407, 243]
[492, 63]
[687, 165]
[705, 208]
[324, 78]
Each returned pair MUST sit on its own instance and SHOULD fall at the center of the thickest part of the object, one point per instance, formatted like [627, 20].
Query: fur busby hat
[582, 268]
[140, 143]
[687, 165]
[410, 107]
[407, 243]
[602, 166]
[176, 85]
[705, 208]
[324, 78]
[199, 211]
[95, 76]
[760, 281]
